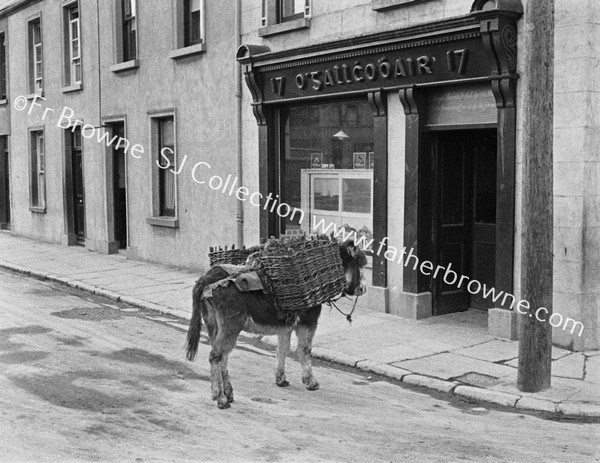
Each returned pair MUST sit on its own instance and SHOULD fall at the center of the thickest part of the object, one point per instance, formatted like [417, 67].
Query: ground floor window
[37, 170]
[326, 166]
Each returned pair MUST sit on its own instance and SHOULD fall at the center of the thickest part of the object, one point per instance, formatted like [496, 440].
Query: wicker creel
[302, 273]
[219, 256]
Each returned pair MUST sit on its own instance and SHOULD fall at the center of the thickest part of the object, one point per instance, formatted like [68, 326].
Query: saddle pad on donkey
[242, 277]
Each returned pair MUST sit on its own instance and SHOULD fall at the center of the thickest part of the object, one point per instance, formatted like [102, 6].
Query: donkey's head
[354, 261]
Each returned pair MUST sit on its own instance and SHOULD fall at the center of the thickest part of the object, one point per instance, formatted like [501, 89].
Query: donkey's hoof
[311, 384]
[282, 382]
[230, 398]
[223, 404]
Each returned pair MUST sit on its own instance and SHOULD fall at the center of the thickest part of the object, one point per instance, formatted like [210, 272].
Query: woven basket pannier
[228, 256]
[302, 273]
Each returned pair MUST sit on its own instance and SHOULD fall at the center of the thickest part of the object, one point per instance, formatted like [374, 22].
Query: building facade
[105, 99]
[401, 121]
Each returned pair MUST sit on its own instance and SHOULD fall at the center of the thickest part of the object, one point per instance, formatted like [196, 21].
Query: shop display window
[327, 165]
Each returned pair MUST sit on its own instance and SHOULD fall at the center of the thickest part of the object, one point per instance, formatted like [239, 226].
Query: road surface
[87, 379]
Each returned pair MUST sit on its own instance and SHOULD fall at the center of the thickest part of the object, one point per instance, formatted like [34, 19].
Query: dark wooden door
[78, 196]
[4, 183]
[120, 188]
[483, 147]
[464, 205]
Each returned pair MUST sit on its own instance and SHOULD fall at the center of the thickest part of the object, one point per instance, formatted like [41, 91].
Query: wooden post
[535, 346]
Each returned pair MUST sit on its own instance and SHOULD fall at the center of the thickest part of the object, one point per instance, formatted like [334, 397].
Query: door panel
[464, 216]
[78, 197]
[120, 187]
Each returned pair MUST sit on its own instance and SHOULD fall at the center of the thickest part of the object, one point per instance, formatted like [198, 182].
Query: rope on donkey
[347, 315]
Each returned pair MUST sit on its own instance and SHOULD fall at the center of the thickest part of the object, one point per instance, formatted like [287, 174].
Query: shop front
[407, 139]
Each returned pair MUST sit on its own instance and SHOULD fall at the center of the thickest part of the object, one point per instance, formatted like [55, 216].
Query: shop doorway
[119, 178]
[464, 216]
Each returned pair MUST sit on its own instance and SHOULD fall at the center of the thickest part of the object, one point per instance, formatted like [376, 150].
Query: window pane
[77, 71]
[195, 27]
[327, 165]
[75, 29]
[326, 194]
[2, 68]
[77, 138]
[34, 170]
[356, 195]
[75, 49]
[167, 134]
[166, 145]
[192, 22]
[129, 8]
[292, 7]
[37, 33]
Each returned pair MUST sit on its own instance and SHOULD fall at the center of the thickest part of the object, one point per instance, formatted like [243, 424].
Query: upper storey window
[279, 16]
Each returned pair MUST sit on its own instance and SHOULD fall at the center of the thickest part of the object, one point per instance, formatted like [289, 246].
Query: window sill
[73, 88]
[385, 5]
[288, 26]
[38, 209]
[125, 66]
[31, 96]
[169, 222]
[3, 102]
[188, 51]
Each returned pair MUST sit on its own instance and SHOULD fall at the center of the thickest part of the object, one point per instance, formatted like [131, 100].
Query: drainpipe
[238, 123]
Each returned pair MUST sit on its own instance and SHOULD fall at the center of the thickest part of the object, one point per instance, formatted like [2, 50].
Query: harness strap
[347, 315]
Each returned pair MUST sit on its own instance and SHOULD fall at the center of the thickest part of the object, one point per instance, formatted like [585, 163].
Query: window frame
[74, 61]
[123, 61]
[3, 68]
[181, 46]
[35, 55]
[159, 217]
[70, 81]
[188, 22]
[163, 211]
[37, 175]
[129, 16]
[281, 18]
[272, 21]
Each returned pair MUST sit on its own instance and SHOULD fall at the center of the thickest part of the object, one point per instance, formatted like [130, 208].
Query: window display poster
[360, 160]
[316, 160]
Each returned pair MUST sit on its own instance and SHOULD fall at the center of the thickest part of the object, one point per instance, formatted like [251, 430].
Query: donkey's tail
[193, 335]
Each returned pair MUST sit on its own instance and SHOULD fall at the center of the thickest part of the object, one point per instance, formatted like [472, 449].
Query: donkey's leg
[212, 326]
[305, 336]
[227, 387]
[283, 347]
[229, 328]
[220, 384]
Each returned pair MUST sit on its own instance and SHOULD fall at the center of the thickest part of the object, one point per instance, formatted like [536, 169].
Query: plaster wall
[50, 226]
[200, 90]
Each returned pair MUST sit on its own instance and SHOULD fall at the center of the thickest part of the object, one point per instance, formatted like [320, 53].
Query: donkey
[230, 311]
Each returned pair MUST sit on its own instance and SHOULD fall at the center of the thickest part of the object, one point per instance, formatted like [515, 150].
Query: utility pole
[535, 346]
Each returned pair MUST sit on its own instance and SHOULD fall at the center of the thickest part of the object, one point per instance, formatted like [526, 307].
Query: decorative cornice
[15, 6]
[366, 51]
[425, 31]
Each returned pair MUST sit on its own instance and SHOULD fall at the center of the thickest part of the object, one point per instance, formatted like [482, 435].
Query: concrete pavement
[452, 353]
